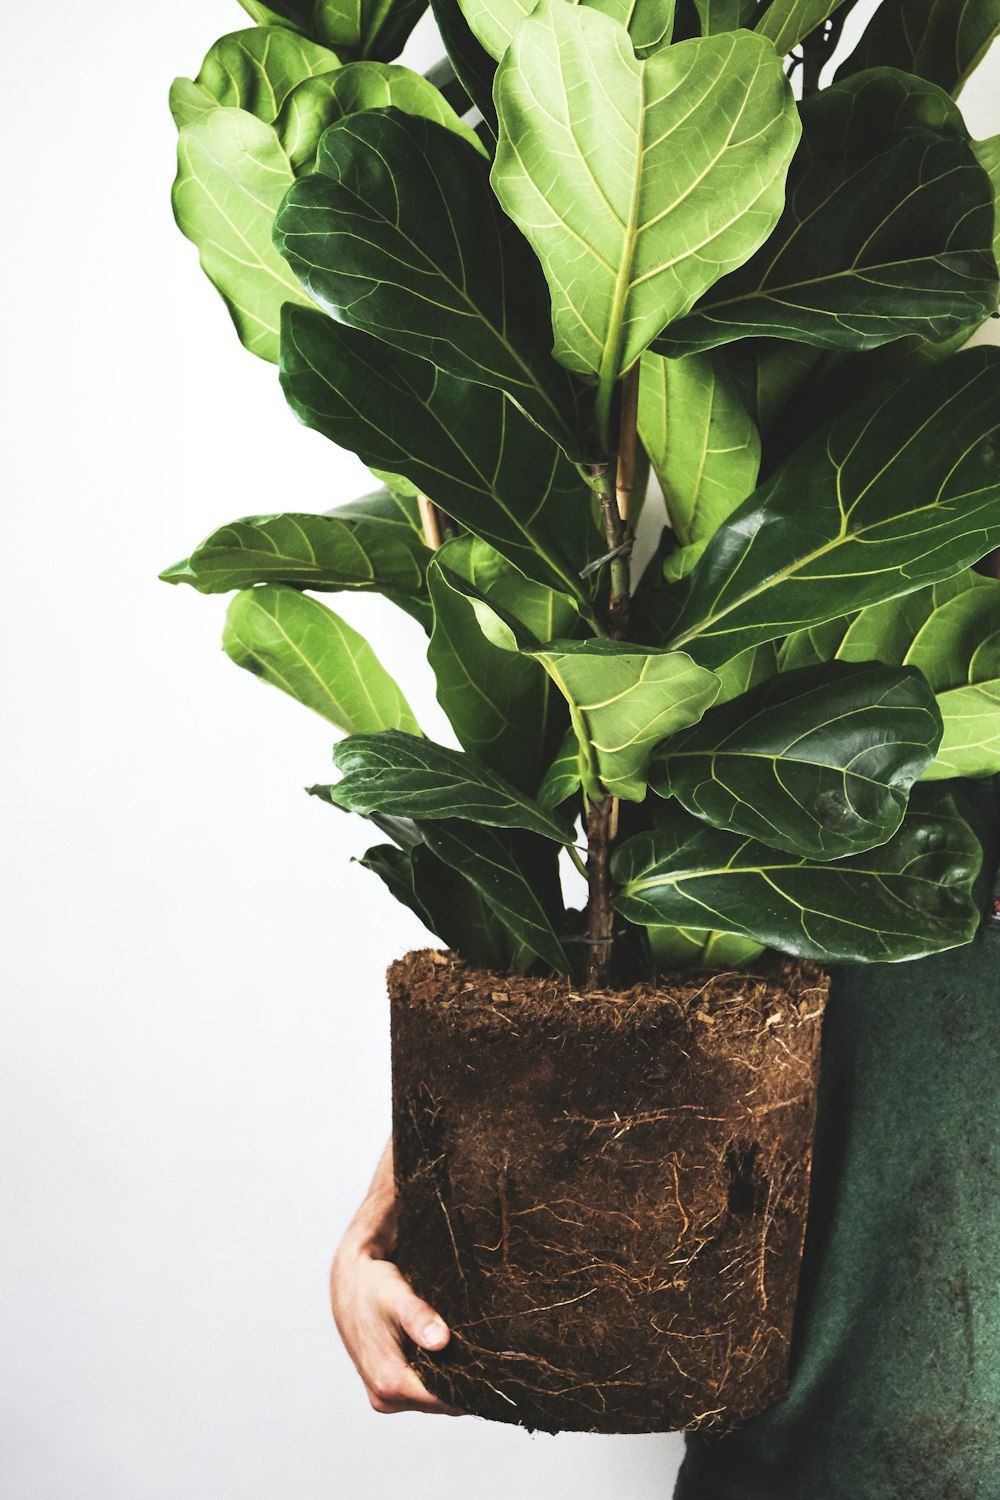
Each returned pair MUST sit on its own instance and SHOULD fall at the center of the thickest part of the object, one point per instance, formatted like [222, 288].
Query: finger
[414, 1316]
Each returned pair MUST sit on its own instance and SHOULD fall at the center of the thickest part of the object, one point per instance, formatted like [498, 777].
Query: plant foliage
[734, 703]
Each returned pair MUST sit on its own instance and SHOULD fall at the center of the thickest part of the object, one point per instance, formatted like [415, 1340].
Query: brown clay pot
[604, 1193]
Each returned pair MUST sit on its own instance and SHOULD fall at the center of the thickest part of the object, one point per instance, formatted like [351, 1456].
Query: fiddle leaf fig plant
[657, 356]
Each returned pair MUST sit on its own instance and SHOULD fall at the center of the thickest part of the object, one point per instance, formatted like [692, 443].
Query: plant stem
[602, 817]
[430, 520]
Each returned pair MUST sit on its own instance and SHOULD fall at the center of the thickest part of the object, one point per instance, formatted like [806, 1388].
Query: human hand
[374, 1305]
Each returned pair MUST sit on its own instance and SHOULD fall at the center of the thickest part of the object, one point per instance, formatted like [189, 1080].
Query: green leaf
[725, 15]
[465, 445]
[314, 552]
[368, 28]
[473, 65]
[444, 901]
[907, 898]
[231, 176]
[317, 103]
[624, 699]
[895, 494]
[396, 232]
[950, 632]
[299, 645]
[988, 156]
[684, 948]
[637, 183]
[786, 23]
[940, 40]
[817, 762]
[501, 705]
[257, 69]
[702, 445]
[505, 879]
[887, 231]
[648, 22]
[405, 775]
[395, 503]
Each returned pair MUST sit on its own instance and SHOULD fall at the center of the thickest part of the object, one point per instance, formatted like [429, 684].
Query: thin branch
[625, 481]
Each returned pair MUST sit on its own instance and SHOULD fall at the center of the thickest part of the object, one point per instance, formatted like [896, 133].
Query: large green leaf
[318, 102]
[405, 775]
[506, 879]
[907, 898]
[951, 633]
[255, 70]
[887, 230]
[688, 948]
[623, 700]
[817, 762]
[367, 28]
[396, 232]
[299, 645]
[473, 65]
[786, 23]
[702, 445]
[501, 704]
[232, 174]
[648, 22]
[465, 445]
[897, 493]
[444, 901]
[988, 156]
[725, 15]
[941, 40]
[314, 552]
[638, 184]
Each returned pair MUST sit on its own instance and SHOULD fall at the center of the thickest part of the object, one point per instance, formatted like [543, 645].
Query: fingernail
[434, 1332]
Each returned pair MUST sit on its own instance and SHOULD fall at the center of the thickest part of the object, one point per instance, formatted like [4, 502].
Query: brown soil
[604, 1193]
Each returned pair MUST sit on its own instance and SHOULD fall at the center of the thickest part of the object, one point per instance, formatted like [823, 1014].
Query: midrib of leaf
[296, 651]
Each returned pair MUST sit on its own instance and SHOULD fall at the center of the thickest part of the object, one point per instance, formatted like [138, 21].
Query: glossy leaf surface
[506, 881]
[907, 898]
[314, 552]
[257, 69]
[367, 28]
[396, 232]
[940, 40]
[887, 231]
[405, 775]
[786, 23]
[702, 445]
[817, 762]
[638, 184]
[897, 493]
[444, 901]
[299, 645]
[501, 704]
[466, 446]
[950, 632]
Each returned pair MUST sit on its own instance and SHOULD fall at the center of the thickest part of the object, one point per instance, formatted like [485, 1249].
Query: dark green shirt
[895, 1390]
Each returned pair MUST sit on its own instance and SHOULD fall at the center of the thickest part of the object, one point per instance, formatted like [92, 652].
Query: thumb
[424, 1326]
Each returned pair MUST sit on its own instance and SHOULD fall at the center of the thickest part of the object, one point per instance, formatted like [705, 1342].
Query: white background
[195, 1041]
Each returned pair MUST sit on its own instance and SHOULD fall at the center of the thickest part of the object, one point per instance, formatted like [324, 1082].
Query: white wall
[195, 1035]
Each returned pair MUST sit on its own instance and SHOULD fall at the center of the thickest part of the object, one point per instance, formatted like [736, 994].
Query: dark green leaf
[314, 552]
[299, 645]
[897, 493]
[907, 898]
[467, 446]
[501, 705]
[786, 23]
[444, 901]
[473, 65]
[507, 882]
[638, 184]
[817, 762]
[725, 15]
[407, 776]
[397, 233]
[685, 948]
[951, 633]
[702, 445]
[941, 40]
[887, 231]
[564, 776]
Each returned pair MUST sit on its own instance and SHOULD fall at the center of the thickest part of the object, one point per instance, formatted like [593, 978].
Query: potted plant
[728, 709]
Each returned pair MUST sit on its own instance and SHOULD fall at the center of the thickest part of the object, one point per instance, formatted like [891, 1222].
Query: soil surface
[604, 1193]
